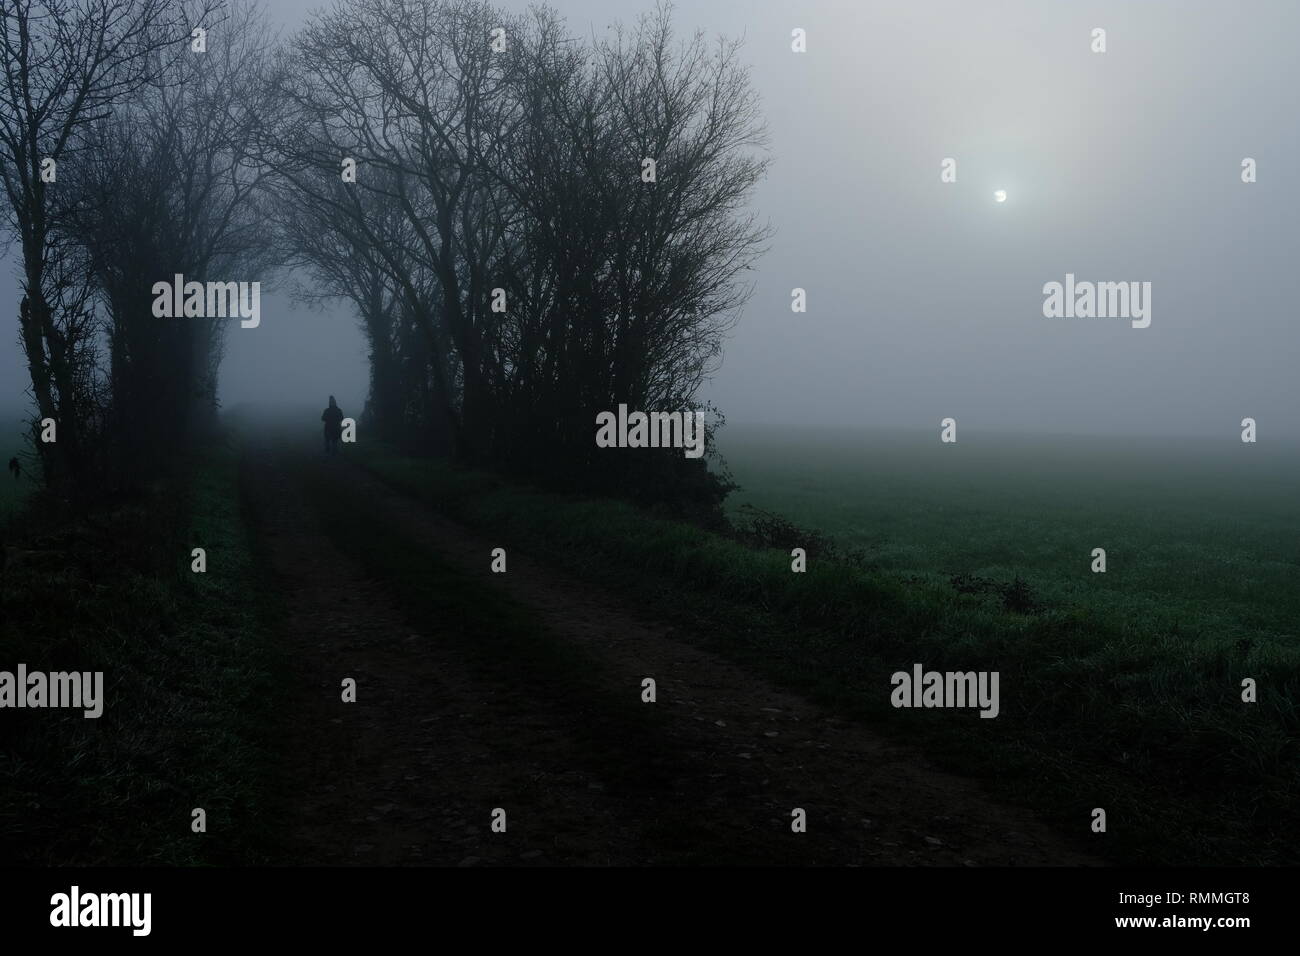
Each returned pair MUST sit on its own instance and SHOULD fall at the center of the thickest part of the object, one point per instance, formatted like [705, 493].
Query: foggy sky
[925, 299]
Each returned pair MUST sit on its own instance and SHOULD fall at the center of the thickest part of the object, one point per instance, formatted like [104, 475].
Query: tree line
[531, 227]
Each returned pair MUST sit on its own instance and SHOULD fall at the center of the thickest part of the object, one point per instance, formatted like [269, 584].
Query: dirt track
[411, 772]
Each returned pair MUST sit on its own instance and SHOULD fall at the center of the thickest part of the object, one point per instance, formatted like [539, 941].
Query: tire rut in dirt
[410, 772]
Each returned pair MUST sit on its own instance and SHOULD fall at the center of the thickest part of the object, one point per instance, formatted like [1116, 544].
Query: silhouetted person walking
[15, 467]
[333, 419]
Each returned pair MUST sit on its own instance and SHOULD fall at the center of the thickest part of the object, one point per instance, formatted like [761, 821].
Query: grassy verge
[1094, 714]
[187, 680]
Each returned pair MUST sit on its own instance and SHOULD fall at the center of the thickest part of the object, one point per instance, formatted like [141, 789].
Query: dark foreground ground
[523, 691]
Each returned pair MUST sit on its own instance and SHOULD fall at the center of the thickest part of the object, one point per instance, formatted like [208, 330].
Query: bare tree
[175, 186]
[625, 288]
[409, 87]
[355, 246]
[65, 63]
[498, 153]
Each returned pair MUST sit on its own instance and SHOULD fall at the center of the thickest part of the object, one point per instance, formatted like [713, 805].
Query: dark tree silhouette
[174, 187]
[516, 166]
[65, 64]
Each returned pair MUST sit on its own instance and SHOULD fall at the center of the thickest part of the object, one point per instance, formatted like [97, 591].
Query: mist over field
[924, 299]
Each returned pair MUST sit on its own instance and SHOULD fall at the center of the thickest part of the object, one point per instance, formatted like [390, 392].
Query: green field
[1201, 539]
